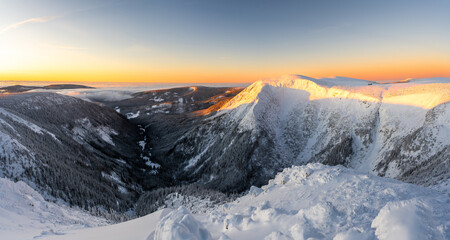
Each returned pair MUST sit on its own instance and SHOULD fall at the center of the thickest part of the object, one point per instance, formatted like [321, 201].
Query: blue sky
[222, 40]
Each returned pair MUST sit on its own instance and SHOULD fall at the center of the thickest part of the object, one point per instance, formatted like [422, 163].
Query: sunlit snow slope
[423, 93]
[398, 129]
[313, 201]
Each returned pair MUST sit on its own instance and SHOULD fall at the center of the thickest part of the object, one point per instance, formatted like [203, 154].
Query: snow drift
[305, 202]
[25, 214]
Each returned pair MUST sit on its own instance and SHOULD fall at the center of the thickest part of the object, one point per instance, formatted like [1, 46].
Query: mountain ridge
[273, 124]
[364, 90]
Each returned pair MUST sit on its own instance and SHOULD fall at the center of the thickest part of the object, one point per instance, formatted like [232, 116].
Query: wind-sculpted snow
[316, 201]
[313, 201]
[180, 224]
[409, 220]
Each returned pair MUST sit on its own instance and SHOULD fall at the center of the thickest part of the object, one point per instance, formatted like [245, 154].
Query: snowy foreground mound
[24, 214]
[307, 202]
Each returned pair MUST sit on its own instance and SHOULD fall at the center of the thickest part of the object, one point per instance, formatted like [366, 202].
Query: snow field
[24, 214]
[303, 202]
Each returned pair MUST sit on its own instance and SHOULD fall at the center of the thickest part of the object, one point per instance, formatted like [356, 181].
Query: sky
[222, 41]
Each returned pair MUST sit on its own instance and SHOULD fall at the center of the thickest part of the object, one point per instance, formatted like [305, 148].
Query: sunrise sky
[222, 41]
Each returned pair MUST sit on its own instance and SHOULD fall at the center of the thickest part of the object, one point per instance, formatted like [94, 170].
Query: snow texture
[313, 201]
[180, 225]
[24, 214]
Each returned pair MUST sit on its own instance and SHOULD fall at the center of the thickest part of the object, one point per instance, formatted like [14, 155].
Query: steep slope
[398, 130]
[24, 214]
[313, 201]
[166, 115]
[70, 149]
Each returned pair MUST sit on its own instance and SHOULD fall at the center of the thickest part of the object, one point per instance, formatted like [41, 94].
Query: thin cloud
[31, 20]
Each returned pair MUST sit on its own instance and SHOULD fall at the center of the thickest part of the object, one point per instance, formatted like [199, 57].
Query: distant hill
[21, 88]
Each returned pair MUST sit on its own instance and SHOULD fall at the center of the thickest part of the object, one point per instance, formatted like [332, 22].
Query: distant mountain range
[21, 88]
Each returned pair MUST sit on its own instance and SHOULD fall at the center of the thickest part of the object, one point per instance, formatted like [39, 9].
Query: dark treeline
[153, 200]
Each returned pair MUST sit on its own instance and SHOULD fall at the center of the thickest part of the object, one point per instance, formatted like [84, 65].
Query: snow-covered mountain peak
[423, 93]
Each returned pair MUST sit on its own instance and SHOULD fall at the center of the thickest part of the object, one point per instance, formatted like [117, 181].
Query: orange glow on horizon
[373, 75]
[100, 70]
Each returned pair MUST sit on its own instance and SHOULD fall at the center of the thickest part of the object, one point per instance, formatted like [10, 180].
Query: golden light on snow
[416, 93]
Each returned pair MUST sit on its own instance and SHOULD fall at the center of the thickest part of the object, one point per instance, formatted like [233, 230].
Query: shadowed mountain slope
[70, 149]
